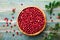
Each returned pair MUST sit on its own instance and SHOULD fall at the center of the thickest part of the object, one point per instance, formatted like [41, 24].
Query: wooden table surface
[10, 33]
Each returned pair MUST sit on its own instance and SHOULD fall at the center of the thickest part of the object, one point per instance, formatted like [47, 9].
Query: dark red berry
[51, 20]
[14, 24]
[12, 17]
[13, 10]
[7, 25]
[58, 17]
[14, 30]
[6, 31]
[21, 4]
[17, 33]
[10, 20]
[3, 25]
[6, 22]
[11, 26]
[6, 19]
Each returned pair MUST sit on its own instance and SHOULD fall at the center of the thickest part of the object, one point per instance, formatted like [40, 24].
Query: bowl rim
[38, 31]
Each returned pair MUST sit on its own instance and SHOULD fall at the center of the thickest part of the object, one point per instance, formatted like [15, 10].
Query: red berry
[17, 33]
[6, 22]
[10, 20]
[6, 19]
[7, 25]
